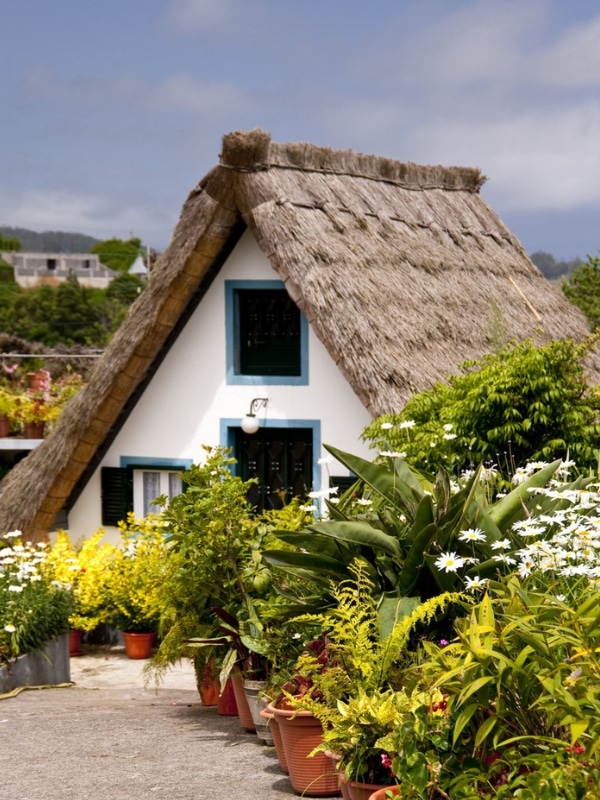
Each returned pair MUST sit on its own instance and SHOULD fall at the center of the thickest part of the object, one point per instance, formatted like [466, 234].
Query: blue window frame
[279, 340]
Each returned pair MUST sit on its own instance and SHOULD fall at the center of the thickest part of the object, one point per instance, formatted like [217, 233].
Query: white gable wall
[188, 398]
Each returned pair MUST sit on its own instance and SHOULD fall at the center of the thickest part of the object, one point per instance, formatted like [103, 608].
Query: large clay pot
[243, 708]
[138, 645]
[301, 733]
[276, 734]
[381, 794]
[226, 704]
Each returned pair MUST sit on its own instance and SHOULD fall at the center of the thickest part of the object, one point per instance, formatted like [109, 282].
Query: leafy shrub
[523, 404]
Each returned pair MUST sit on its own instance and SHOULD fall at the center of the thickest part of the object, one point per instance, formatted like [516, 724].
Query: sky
[112, 111]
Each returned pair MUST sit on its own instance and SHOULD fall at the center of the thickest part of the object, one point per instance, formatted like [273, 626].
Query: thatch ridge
[254, 151]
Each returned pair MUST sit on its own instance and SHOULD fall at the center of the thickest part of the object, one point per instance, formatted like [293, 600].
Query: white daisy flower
[472, 535]
[449, 562]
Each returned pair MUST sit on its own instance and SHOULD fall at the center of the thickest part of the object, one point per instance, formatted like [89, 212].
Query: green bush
[524, 403]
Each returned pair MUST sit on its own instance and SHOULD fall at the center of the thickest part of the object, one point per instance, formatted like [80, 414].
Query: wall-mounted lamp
[250, 422]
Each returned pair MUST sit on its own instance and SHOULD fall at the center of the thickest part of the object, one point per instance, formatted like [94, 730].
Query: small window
[267, 323]
[86, 263]
[51, 263]
[150, 484]
[126, 489]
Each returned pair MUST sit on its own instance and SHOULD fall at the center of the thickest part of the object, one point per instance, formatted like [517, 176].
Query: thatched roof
[402, 270]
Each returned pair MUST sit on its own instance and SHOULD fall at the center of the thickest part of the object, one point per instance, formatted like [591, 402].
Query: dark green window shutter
[267, 324]
[117, 494]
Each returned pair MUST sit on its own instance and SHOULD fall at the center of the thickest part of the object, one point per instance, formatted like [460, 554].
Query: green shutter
[117, 494]
[268, 330]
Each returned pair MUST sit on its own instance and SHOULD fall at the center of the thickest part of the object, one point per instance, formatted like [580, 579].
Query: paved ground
[109, 738]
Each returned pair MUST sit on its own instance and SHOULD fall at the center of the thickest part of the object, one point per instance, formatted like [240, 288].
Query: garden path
[109, 738]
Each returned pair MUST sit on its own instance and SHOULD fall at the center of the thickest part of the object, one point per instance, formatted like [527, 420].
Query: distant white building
[36, 269]
[138, 268]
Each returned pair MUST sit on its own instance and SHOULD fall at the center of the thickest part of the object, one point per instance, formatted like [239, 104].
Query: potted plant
[7, 402]
[82, 570]
[33, 607]
[134, 581]
[35, 407]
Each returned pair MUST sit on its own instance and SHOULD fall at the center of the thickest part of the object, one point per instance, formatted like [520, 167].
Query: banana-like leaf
[400, 488]
[359, 532]
[313, 543]
[392, 609]
[409, 574]
[307, 561]
[510, 508]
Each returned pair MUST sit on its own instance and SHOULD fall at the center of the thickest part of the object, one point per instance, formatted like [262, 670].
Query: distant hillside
[50, 241]
[551, 268]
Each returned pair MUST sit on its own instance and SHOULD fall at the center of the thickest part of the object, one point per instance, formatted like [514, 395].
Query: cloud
[201, 16]
[96, 215]
[176, 93]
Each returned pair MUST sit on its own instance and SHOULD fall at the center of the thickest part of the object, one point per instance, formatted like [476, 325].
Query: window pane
[268, 331]
[175, 486]
[151, 492]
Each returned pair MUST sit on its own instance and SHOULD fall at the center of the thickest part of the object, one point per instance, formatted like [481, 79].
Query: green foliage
[125, 288]
[68, 313]
[135, 577]
[413, 523]
[49, 241]
[118, 254]
[583, 290]
[218, 598]
[524, 403]
[523, 679]
[9, 244]
[32, 608]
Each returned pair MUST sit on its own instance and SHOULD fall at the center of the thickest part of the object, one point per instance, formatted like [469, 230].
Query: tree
[523, 403]
[125, 288]
[551, 268]
[9, 244]
[583, 290]
[117, 254]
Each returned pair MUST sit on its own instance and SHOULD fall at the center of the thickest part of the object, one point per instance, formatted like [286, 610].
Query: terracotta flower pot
[4, 426]
[301, 733]
[276, 734]
[243, 708]
[208, 683]
[75, 643]
[363, 791]
[381, 794]
[34, 430]
[226, 704]
[138, 645]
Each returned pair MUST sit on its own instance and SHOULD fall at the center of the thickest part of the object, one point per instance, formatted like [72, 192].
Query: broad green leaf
[307, 561]
[414, 559]
[578, 729]
[359, 532]
[462, 720]
[510, 508]
[474, 686]
[392, 609]
[484, 730]
[400, 488]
